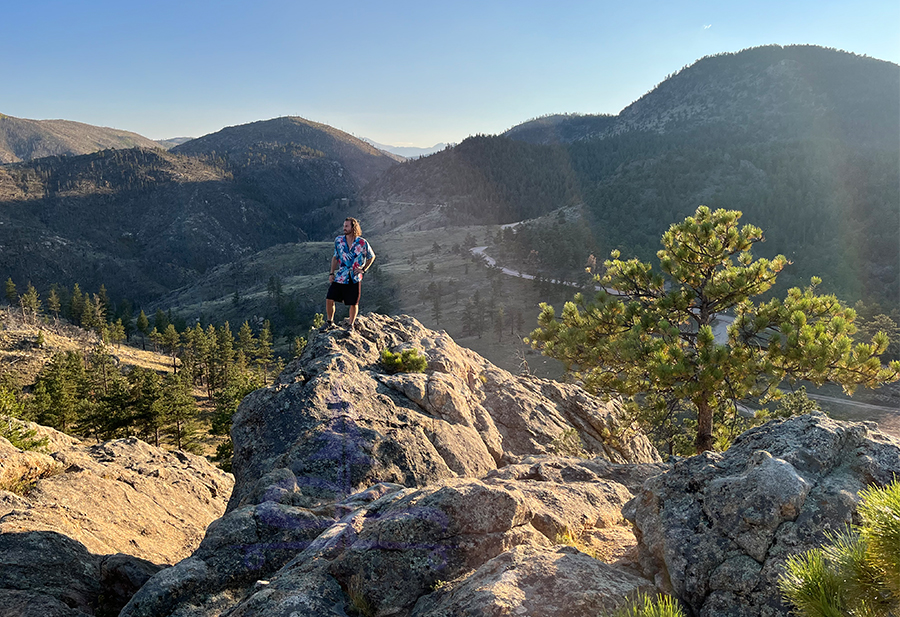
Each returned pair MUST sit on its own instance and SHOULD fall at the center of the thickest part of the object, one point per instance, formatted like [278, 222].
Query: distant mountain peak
[407, 152]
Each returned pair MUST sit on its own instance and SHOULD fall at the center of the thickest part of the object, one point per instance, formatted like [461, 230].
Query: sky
[403, 73]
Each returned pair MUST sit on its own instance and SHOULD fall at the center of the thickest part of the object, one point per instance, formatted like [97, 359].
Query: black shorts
[348, 293]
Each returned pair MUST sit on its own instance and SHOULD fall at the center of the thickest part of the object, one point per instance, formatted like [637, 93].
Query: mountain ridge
[787, 73]
[22, 139]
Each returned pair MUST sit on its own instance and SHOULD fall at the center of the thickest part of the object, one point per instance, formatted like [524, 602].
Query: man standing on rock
[352, 258]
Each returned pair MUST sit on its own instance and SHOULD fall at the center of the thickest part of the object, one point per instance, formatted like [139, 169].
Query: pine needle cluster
[858, 572]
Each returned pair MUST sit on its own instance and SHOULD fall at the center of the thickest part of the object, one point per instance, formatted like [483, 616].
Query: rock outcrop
[340, 423]
[716, 529]
[404, 551]
[386, 494]
[83, 527]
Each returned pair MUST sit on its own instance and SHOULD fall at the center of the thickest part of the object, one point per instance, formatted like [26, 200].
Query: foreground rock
[339, 423]
[360, 490]
[83, 527]
[413, 552]
[717, 529]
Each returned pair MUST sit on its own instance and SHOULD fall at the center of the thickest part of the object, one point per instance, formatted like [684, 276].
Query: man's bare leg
[354, 309]
[329, 309]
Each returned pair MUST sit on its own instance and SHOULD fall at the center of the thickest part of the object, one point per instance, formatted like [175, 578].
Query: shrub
[858, 572]
[22, 437]
[647, 606]
[407, 361]
[568, 443]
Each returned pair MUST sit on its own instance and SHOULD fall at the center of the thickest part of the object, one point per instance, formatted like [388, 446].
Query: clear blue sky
[399, 72]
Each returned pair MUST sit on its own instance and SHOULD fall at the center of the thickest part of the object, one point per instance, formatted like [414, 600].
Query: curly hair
[354, 225]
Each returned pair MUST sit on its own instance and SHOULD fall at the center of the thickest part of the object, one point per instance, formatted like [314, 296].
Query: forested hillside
[22, 139]
[285, 144]
[145, 222]
[484, 179]
[561, 128]
[803, 140]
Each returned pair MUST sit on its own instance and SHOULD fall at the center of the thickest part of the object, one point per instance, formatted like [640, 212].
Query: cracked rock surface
[83, 527]
[356, 490]
[339, 423]
[717, 529]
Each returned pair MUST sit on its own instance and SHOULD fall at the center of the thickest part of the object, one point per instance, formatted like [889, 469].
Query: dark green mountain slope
[484, 179]
[142, 221]
[288, 143]
[561, 128]
[770, 92]
[803, 140]
[23, 140]
[777, 92]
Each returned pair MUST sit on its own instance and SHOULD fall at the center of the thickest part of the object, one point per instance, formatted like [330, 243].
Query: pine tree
[264, 349]
[160, 320]
[53, 303]
[117, 333]
[224, 354]
[170, 340]
[30, 301]
[101, 299]
[90, 318]
[654, 341]
[145, 401]
[156, 339]
[12, 295]
[245, 340]
[180, 412]
[143, 326]
[76, 305]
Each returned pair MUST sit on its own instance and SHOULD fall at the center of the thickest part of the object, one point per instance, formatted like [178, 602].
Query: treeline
[134, 169]
[88, 394]
[557, 249]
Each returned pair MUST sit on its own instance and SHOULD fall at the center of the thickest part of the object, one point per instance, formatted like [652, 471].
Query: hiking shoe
[328, 325]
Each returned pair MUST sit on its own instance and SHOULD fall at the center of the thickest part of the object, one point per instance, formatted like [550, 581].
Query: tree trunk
[704, 425]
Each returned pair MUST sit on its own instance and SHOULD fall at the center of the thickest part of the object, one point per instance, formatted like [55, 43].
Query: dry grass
[21, 359]
[606, 544]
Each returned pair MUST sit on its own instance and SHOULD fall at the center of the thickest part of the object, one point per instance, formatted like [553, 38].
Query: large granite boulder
[82, 527]
[340, 423]
[403, 551]
[358, 486]
[716, 529]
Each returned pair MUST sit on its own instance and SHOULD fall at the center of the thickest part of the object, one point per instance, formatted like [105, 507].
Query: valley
[236, 226]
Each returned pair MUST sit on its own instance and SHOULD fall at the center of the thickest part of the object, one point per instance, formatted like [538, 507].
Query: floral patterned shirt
[348, 256]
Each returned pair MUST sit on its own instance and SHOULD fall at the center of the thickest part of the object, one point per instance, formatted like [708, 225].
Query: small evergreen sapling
[407, 361]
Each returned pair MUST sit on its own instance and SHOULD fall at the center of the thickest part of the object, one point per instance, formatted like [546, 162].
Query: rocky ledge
[388, 493]
[83, 527]
[359, 492]
[716, 530]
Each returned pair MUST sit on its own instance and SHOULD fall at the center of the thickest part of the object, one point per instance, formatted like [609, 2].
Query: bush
[647, 606]
[568, 443]
[22, 437]
[858, 572]
[407, 361]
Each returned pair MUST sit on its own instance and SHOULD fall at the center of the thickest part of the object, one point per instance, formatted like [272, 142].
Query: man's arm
[334, 266]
